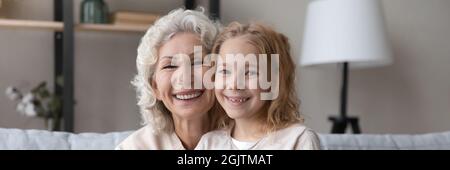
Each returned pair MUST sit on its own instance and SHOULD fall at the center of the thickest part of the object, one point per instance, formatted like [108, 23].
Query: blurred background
[412, 95]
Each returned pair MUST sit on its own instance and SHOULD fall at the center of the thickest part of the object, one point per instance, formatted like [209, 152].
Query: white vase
[53, 125]
[50, 124]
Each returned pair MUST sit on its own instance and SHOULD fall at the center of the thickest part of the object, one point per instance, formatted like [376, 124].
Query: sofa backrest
[18, 139]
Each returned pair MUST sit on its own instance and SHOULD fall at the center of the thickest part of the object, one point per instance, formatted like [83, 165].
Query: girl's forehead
[249, 60]
[238, 45]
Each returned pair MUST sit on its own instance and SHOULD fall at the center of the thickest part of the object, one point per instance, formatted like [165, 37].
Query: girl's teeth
[238, 100]
[188, 96]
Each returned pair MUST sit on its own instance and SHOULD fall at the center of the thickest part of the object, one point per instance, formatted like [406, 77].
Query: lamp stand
[340, 122]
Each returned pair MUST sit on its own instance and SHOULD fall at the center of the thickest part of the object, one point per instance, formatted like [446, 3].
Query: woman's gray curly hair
[154, 112]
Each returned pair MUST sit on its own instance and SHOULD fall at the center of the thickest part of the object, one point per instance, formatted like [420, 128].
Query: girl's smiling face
[169, 78]
[238, 103]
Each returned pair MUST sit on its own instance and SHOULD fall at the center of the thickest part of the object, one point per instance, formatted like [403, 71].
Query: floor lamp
[347, 32]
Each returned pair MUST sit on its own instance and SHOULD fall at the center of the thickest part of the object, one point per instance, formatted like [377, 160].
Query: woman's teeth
[237, 99]
[188, 96]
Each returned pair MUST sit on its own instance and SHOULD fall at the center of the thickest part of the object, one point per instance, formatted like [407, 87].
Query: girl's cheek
[219, 82]
[252, 83]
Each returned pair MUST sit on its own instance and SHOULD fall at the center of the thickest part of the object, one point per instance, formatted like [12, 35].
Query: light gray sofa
[41, 139]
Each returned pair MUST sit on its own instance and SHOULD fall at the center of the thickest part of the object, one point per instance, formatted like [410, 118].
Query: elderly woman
[173, 117]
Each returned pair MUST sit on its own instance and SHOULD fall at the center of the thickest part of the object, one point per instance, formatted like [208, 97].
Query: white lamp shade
[338, 31]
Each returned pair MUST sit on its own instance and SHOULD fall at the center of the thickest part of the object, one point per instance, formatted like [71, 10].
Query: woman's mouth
[188, 95]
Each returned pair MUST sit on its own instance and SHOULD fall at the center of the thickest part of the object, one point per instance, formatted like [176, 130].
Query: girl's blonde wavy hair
[284, 110]
[153, 112]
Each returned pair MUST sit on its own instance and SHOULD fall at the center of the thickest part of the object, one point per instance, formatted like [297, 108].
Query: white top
[294, 137]
[241, 145]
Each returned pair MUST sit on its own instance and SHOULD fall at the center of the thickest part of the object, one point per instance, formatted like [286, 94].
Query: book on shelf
[1, 13]
[134, 18]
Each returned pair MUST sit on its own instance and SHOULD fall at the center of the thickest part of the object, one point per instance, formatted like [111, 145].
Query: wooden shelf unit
[59, 26]
[64, 28]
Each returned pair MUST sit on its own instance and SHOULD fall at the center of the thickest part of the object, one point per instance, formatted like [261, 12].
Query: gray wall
[410, 96]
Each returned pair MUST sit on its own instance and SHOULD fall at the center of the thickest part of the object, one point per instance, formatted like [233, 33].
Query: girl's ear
[154, 88]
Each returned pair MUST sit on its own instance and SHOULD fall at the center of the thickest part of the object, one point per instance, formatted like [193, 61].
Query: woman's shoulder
[135, 140]
[145, 138]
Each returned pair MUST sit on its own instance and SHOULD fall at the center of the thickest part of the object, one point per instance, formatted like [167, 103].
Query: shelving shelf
[111, 28]
[59, 26]
[31, 24]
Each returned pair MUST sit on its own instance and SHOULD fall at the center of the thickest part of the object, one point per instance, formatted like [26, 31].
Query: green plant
[39, 102]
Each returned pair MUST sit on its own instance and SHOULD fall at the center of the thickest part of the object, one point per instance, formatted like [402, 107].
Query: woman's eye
[223, 71]
[196, 63]
[170, 67]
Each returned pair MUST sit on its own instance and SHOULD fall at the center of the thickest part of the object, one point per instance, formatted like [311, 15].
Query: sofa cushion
[17, 139]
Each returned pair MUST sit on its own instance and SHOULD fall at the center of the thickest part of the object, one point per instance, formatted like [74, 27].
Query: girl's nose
[231, 82]
[234, 82]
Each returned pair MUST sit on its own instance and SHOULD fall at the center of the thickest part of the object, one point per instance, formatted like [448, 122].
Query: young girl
[251, 122]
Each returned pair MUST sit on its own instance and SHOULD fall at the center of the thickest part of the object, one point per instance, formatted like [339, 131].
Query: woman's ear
[154, 88]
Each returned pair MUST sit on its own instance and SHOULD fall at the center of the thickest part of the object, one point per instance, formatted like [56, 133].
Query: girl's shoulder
[302, 137]
[294, 129]
[309, 140]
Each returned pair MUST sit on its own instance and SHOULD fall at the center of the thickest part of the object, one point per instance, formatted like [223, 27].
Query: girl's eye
[251, 73]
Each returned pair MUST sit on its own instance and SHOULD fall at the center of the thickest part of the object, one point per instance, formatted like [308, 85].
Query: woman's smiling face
[168, 79]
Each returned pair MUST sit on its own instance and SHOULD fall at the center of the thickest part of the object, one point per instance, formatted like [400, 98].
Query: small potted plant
[39, 102]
